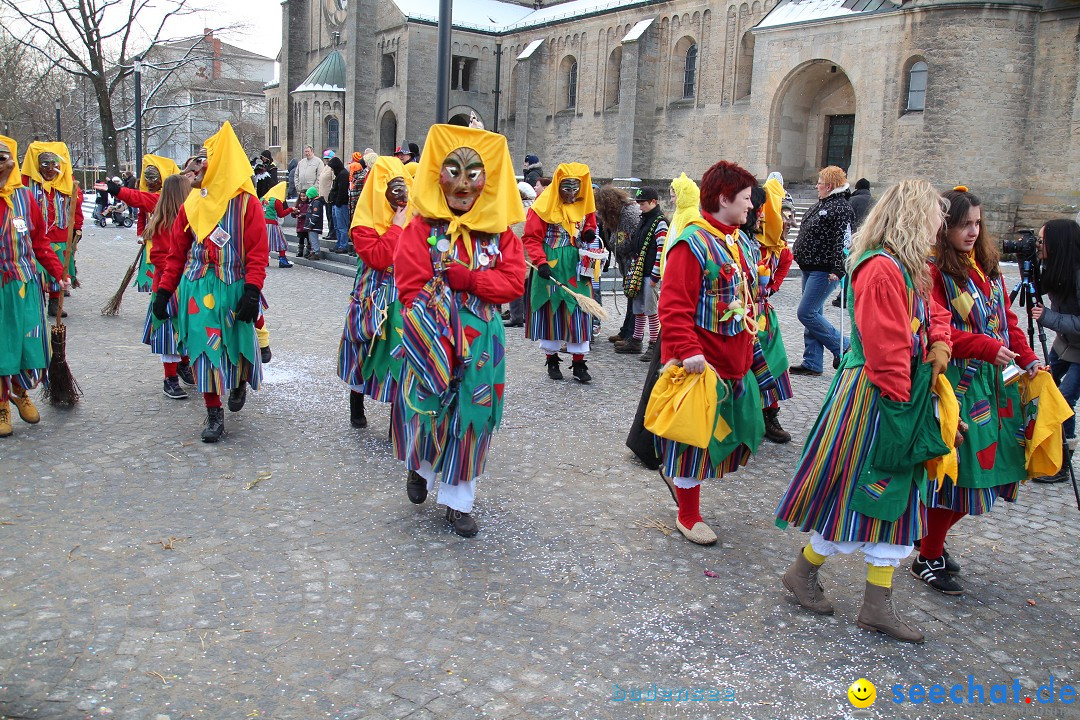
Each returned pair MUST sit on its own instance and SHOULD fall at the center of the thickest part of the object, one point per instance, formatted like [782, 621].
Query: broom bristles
[586, 303]
[62, 388]
[112, 307]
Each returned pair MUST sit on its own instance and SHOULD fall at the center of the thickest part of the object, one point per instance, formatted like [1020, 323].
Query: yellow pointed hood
[549, 205]
[372, 209]
[15, 178]
[276, 193]
[772, 235]
[165, 166]
[228, 173]
[499, 205]
[687, 211]
[64, 181]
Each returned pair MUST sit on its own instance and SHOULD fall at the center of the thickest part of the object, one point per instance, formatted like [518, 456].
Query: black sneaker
[215, 425]
[237, 398]
[803, 370]
[416, 487]
[951, 566]
[933, 573]
[183, 371]
[463, 523]
[265, 354]
[173, 390]
[553, 367]
[581, 372]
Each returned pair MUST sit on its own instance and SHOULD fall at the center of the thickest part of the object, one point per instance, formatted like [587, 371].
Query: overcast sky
[259, 21]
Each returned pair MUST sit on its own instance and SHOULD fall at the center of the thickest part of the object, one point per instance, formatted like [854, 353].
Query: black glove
[160, 307]
[247, 309]
[114, 187]
[588, 236]
[544, 271]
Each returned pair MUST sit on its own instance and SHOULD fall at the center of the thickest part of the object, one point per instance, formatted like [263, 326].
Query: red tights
[689, 505]
[938, 523]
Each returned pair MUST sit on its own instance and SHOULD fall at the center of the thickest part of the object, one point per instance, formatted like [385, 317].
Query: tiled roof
[328, 76]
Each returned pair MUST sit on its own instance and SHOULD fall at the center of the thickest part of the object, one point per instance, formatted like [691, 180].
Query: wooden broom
[585, 302]
[62, 389]
[112, 307]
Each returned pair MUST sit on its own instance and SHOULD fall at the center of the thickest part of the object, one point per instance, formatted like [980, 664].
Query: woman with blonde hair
[857, 485]
[160, 334]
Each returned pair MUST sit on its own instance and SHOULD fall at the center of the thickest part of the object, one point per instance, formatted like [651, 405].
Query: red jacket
[412, 266]
[56, 234]
[145, 201]
[377, 251]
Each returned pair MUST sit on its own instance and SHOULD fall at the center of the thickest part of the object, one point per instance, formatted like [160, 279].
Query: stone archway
[388, 133]
[813, 121]
[459, 115]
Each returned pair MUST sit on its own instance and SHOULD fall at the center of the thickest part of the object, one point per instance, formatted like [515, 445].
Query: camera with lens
[1022, 247]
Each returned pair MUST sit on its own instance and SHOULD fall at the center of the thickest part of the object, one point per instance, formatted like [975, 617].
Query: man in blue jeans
[819, 251]
[339, 204]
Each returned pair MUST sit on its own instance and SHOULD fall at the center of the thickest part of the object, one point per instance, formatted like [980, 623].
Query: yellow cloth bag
[1042, 399]
[946, 466]
[682, 406]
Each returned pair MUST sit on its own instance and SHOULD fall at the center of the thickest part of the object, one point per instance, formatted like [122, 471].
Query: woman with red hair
[706, 310]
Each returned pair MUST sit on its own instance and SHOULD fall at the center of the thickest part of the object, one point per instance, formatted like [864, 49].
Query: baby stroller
[118, 212]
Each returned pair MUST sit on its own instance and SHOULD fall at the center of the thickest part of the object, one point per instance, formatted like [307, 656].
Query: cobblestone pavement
[143, 577]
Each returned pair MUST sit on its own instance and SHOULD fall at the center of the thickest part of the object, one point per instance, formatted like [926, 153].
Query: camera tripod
[1027, 288]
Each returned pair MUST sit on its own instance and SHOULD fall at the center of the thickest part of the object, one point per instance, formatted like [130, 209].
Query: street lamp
[57, 106]
[138, 117]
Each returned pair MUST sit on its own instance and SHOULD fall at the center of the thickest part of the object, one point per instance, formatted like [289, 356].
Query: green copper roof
[328, 76]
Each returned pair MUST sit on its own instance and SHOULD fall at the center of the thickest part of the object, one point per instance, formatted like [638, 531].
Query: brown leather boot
[632, 346]
[802, 580]
[773, 429]
[5, 419]
[878, 614]
[25, 405]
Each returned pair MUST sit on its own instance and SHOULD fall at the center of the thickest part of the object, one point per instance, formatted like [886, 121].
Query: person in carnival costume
[24, 244]
[772, 271]
[456, 263]
[216, 266]
[160, 334]
[858, 484]
[46, 171]
[557, 227]
[155, 170]
[987, 344]
[373, 320]
[275, 207]
[706, 312]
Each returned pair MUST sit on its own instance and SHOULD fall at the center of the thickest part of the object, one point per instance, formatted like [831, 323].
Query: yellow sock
[263, 335]
[813, 557]
[880, 576]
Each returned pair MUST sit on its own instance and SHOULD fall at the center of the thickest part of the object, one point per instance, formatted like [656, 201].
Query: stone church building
[985, 94]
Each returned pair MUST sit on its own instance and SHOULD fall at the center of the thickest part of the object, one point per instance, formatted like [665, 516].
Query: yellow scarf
[372, 209]
[499, 205]
[687, 201]
[549, 205]
[228, 173]
[15, 178]
[970, 257]
[772, 235]
[165, 166]
[276, 193]
[64, 182]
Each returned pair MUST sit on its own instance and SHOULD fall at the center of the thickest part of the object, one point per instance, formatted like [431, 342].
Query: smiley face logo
[862, 693]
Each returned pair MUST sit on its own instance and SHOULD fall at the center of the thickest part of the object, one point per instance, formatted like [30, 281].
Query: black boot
[183, 371]
[553, 367]
[300, 242]
[581, 371]
[416, 488]
[1061, 475]
[238, 397]
[357, 418]
[215, 425]
[773, 430]
[265, 355]
[54, 305]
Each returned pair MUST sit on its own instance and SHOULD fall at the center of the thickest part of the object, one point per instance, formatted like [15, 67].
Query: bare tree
[27, 95]
[91, 39]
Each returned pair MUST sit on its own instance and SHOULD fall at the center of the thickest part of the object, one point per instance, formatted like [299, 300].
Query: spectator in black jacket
[339, 203]
[860, 202]
[819, 251]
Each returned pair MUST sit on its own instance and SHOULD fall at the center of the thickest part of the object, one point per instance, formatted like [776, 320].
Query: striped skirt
[564, 324]
[971, 501]
[459, 457]
[275, 238]
[836, 452]
[159, 334]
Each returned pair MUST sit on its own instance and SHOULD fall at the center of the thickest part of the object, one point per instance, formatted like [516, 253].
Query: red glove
[459, 277]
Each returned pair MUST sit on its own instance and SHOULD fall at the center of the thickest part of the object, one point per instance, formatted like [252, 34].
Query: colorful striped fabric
[16, 248]
[226, 262]
[987, 316]
[55, 201]
[274, 237]
[722, 278]
[780, 392]
[973, 501]
[159, 334]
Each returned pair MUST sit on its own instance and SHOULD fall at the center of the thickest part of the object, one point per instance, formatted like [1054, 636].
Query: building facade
[983, 94]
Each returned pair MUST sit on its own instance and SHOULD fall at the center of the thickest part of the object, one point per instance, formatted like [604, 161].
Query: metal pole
[442, 86]
[58, 138]
[138, 117]
[498, 84]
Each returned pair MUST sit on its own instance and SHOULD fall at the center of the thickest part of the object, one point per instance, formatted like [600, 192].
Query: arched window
[690, 72]
[389, 70]
[568, 78]
[571, 86]
[388, 133]
[332, 132]
[744, 70]
[614, 80]
[916, 86]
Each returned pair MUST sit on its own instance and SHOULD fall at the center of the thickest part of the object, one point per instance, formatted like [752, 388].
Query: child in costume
[641, 283]
[557, 227]
[303, 204]
[275, 207]
[986, 341]
[858, 483]
[216, 266]
[155, 170]
[46, 171]
[706, 312]
[373, 321]
[313, 222]
[456, 263]
[24, 245]
[772, 271]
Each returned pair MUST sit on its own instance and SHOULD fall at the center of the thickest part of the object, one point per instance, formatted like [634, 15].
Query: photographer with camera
[1059, 249]
[989, 348]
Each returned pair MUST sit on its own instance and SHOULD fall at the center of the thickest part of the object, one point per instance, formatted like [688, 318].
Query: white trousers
[460, 497]
[171, 358]
[878, 554]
